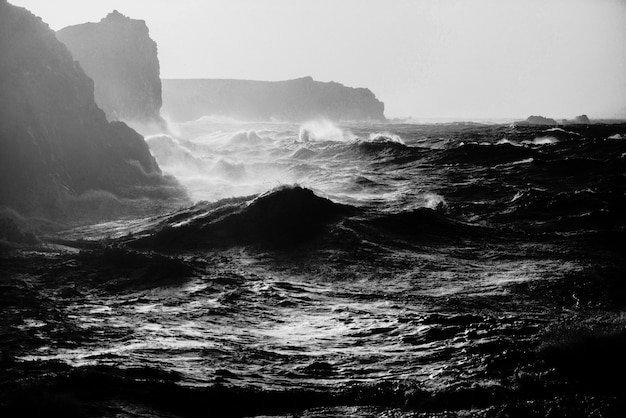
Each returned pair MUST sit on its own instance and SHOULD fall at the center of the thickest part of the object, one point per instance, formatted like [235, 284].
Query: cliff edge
[56, 143]
[292, 100]
[121, 58]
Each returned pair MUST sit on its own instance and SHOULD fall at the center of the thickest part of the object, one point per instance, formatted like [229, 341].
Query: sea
[324, 269]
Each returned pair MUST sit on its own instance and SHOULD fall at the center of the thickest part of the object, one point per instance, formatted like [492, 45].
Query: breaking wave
[280, 217]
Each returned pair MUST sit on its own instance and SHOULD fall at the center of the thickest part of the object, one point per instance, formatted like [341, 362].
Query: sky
[449, 59]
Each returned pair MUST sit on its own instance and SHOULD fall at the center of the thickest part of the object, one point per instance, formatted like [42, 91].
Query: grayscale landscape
[312, 209]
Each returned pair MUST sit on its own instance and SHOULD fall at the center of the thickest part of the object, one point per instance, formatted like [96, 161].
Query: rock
[582, 119]
[539, 120]
[296, 100]
[55, 142]
[121, 58]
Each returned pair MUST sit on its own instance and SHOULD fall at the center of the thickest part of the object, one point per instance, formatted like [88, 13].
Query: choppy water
[354, 270]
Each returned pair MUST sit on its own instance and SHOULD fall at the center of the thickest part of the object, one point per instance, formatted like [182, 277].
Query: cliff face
[121, 58]
[55, 142]
[293, 100]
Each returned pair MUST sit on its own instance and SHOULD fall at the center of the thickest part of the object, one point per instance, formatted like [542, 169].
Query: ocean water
[339, 270]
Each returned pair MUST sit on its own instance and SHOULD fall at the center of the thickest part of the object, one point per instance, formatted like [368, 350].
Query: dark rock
[538, 120]
[121, 58]
[56, 142]
[292, 100]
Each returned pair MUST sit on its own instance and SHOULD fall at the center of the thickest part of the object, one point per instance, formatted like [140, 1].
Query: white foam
[323, 130]
[542, 140]
[385, 137]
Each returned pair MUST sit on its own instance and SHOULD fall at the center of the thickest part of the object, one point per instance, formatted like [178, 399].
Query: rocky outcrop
[581, 119]
[121, 58]
[55, 142]
[293, 100]
[537, 120]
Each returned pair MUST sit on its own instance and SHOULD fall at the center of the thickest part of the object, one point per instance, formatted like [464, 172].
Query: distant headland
[534, 120]
[291, 100]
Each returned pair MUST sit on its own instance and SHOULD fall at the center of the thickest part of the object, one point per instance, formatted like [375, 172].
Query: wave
[501, 153]
[364, 181]
[562, 131]
[303, 154]
[541, 140]
[247, 139]
[421, 222]
[570, 167]
[385, 137]
[171, 154]
[279, 218]
[323, 130]
[57, 389]
[380, 150]
[230, 170]
[509, 142]
[567, 210]
[382, 146]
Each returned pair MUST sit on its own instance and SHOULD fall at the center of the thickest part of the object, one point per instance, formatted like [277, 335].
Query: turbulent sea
[357, 270]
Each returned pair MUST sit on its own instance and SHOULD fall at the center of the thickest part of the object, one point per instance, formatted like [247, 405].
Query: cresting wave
[293, 216]
[216, 161]
[342, 163]
[281, 217]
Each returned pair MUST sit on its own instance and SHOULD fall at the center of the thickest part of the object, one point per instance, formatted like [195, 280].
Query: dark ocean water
[361, 270]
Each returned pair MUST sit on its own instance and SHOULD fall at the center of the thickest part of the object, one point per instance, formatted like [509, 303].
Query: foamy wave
[323, 130]
[434, 201]
[562, 131]
[230, 170]
[173, 156]
[504, 141]
[542, 140]
[246, 139]
[385, 137]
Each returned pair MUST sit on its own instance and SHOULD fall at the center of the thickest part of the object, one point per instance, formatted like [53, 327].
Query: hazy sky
[445, 58]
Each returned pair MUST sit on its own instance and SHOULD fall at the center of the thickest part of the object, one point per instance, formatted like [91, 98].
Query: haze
[425, 59]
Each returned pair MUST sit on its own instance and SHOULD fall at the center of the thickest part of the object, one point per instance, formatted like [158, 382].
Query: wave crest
[283, 216]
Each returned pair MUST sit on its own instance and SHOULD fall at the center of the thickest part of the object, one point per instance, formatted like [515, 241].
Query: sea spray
[323, 130]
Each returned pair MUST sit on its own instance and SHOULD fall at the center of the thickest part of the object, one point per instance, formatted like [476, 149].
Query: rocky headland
[121, 58]
[292, 100]
[60, 155]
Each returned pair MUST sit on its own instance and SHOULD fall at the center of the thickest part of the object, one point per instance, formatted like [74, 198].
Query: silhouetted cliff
[292, 100]
[537, 120]
[121, 58]
[55, 142]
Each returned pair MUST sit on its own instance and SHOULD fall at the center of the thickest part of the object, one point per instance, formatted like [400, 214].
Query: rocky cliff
[121, 58]
[537, 120]
[55, 142]
[293, 100]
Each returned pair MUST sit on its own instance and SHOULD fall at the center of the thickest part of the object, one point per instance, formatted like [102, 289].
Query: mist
[451, 60]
